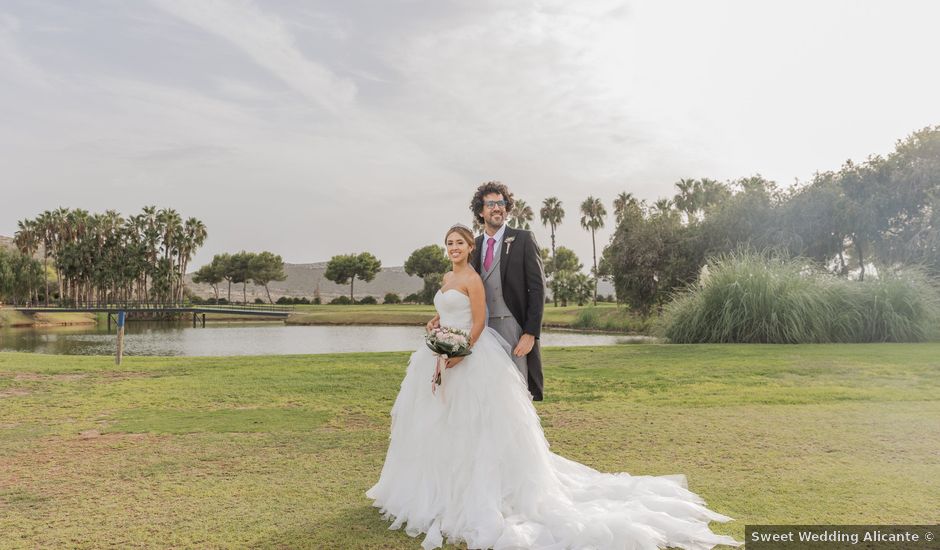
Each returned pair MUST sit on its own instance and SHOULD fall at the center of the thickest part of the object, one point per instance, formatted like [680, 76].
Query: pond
[218, 339]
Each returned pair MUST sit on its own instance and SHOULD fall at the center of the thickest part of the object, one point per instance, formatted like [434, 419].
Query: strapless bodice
[454, 308]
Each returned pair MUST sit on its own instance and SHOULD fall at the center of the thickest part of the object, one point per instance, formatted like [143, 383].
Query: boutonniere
[509, 241]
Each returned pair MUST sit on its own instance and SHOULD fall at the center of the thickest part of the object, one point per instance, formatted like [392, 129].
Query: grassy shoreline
[276, 451]
[605, 317]
[13, 318]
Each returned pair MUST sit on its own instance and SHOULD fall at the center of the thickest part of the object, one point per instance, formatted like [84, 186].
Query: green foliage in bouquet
[451, 342]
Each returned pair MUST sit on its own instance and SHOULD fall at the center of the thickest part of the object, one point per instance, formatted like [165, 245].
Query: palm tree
[592, 217]
[118, 246]
[151, 239]
[26, 240]
[662, 207]
[105, 257]
[113, 253]
[57, 232]
[688, 198]
[551, 214]
[44, 226]
[696, 196]
[137, 238]
[76, 226]
[713, 192]
[621, 203]
[194, 235]
[521, 215]
[170, 226]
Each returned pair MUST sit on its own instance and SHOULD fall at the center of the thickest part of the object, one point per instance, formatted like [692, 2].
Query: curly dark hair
[476, 203]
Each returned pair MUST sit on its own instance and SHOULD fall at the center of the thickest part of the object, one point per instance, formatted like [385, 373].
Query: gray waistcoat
[495, 305]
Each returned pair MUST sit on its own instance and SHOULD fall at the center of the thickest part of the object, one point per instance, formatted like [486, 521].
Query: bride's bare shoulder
[473, 281]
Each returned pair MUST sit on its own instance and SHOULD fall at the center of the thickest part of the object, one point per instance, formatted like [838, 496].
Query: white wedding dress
[472, 464]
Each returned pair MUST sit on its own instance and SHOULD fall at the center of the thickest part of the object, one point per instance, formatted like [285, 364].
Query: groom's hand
[524, 346]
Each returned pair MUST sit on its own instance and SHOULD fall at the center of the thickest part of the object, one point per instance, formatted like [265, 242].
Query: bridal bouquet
[446, 342]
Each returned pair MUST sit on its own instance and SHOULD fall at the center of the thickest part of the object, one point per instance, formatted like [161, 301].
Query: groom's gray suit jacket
[522, 285]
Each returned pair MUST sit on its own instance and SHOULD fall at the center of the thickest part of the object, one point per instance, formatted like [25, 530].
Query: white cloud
[266, 40]
[15, 65]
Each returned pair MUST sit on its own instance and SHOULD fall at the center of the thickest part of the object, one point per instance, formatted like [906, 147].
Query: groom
[510, 263]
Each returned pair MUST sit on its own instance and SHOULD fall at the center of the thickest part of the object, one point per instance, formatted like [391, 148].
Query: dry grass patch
[277, 452]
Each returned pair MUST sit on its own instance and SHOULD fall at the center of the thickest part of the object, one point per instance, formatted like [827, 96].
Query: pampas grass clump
[747, 297]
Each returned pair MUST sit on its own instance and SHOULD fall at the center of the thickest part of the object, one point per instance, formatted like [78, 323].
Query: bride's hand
[452, 362]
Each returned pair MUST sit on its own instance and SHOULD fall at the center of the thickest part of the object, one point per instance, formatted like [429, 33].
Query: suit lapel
[504, 252]
[478, 252]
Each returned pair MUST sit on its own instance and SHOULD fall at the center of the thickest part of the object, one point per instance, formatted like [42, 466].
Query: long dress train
[473, 465]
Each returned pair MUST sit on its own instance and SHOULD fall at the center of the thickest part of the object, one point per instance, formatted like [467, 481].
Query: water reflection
[150, 338]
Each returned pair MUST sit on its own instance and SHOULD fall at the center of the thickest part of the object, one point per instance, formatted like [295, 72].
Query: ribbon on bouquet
[439, 369]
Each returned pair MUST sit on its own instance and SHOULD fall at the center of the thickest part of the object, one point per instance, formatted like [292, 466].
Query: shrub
[283, 300]
[391, 298]
[259, 301]
[301, 300]
[412, 298]
[898, 308]
[754, 298]
[316, 300]
[618, 319]
[367, 300]
[587, 318]
[341, 300]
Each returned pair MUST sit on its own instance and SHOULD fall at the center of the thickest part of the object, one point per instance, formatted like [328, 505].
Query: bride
[470, 462]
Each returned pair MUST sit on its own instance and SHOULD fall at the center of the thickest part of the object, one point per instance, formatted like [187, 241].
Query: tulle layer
[472, 464]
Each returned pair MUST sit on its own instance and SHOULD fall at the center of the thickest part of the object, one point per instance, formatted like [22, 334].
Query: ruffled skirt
[472, 464]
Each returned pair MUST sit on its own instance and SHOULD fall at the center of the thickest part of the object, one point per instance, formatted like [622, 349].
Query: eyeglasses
[493, 204]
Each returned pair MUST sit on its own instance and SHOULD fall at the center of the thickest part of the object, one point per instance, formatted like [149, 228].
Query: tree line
[20, 277]
[259, 268]
[106, 257]
[883, 213]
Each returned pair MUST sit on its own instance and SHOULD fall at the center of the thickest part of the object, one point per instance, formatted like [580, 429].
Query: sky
[319, 128]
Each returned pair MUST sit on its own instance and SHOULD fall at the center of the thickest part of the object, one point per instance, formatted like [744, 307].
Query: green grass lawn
[276, 452]
[379, 314]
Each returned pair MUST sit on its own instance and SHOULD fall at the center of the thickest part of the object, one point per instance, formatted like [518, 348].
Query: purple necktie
[488, 260]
